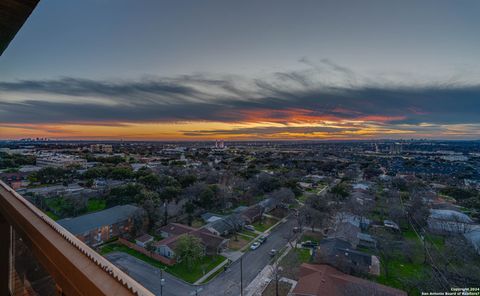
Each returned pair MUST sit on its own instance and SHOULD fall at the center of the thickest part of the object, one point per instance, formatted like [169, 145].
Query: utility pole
[162, 282]
[241, 276]
[276, 284]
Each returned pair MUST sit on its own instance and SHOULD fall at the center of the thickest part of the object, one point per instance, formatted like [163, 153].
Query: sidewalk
[261, 281]
[203, 278]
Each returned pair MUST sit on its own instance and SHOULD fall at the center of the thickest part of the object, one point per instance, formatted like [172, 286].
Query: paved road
[227, 283]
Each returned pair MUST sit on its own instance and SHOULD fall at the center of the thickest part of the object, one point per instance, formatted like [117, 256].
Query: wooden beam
[76, 268]
[4, 256]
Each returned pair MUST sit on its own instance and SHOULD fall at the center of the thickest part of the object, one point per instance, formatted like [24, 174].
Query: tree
[418, 212]
[189, 250]
[150, 181]
[137, 224]
[317, 212]
[340, 191]
[283, 195]
[151, 248]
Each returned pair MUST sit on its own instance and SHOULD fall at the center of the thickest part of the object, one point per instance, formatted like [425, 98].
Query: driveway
[227, 283]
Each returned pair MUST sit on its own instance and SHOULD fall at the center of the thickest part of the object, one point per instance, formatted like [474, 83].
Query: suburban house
[213, 244]
[269, 204]
[359, 221]
[321, 279]
[352, 234]
[252, 214]
[341, 255]
[96, 228]
[449, 221]
[144, 240]
[226, 225]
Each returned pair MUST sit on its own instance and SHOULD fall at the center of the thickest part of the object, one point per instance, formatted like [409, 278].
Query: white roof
[450, 215]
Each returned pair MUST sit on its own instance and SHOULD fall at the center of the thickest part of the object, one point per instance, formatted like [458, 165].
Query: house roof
[144, 238]
[333, 248]
[320, 279]
[450, 215]
[208, 239]
[227, 223]
[474, 237]
[345, 231]
[176, 229]
[95, 220]
[253, 212]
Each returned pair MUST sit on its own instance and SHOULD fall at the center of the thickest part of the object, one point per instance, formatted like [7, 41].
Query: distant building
[395, 148]
[96, 228]
[60, 160]
[321, 279]
[101, 148]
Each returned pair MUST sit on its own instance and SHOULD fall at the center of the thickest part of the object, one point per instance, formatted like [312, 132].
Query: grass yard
[94, 205]
[303, 255]
[402, 269]
[264, 224]
[303, 198]
[179, 270]
[239, 243]
[52, 215]
[312, 236]
[248, 233]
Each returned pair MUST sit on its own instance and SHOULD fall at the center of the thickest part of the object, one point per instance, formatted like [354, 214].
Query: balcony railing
[37, 254]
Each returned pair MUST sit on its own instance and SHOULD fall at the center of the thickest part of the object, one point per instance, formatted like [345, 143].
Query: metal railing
[103, 265]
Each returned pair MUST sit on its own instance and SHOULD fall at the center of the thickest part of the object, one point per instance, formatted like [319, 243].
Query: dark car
[309, 244]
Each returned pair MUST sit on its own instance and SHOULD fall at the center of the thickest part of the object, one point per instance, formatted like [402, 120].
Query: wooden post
[5, 235]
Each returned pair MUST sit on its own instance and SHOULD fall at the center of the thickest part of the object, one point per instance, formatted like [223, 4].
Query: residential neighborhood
[308, 219]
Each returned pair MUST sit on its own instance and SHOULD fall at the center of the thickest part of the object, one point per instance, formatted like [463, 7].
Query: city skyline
[272, 70]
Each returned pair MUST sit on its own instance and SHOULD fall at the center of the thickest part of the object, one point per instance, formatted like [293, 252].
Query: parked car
[255, 245]
[297, 229]
[250, 227]
[273, 252]
[309, 244]
[262, 239]
[392, 225]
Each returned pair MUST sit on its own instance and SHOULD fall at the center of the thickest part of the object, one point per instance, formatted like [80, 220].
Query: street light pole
[162, 282]
[241, 276]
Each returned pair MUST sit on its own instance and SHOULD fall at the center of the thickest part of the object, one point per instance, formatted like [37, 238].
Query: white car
[255, 246]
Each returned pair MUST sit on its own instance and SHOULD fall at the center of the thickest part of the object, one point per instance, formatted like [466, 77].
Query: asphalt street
[227, 283]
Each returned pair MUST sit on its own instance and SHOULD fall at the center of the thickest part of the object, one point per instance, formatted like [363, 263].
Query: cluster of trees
[119, 172]
[8, 161]
[53, 175]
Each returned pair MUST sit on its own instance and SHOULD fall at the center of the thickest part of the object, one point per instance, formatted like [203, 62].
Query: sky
[244, 70]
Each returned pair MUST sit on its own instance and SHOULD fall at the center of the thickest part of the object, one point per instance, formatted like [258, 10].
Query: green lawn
[52, 215]
[307, 237]
[399, 269]
[179, 270]
[264, 224]
[402, 271]
[303, 198]
[248, 233]
[303, 255]
[94, 205]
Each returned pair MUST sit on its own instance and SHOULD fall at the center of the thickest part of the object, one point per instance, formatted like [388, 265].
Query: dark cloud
[284, 98]
[268, 131]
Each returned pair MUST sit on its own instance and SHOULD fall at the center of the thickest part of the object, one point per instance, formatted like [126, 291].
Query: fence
[137, 248]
